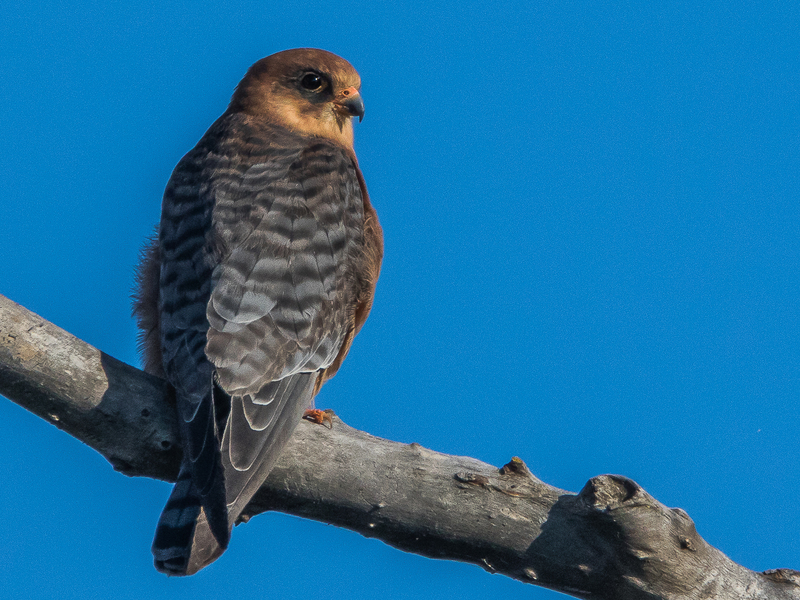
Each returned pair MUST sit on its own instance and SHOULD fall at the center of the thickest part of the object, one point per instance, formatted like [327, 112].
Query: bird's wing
[186, 265]
[282, 300]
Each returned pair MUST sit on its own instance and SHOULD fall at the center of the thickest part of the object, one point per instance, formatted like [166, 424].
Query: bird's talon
[320, 417]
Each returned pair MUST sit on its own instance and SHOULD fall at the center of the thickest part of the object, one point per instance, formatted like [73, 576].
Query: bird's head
[307, 90]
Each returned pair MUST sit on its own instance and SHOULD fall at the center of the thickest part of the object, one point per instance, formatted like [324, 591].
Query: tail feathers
[212, 531]
[194, 528]
[184, 543]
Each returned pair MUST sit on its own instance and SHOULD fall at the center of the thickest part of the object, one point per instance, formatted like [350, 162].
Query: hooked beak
[349, 103]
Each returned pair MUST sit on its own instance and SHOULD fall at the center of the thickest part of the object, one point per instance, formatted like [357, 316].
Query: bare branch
[611, 540]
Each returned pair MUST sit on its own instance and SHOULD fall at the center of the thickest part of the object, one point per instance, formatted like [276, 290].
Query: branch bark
[612, 540]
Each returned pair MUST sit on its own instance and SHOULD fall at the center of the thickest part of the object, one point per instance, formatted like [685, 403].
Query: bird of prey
[262, 273]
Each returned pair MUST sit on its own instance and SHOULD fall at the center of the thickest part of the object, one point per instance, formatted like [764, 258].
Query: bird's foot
[320, 417]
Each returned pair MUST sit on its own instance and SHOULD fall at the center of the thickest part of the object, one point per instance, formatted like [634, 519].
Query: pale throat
[329, 125]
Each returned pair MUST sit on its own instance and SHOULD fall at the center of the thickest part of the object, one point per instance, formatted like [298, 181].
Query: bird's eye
[312, 82]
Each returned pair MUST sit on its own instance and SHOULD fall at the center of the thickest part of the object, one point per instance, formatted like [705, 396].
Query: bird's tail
[175, 530]
[184, 543]
[192, 531]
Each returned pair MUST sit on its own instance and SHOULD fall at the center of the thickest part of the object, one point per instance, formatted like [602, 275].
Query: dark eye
[312, 82]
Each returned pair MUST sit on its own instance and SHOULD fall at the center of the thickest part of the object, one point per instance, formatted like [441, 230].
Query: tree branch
[612, 540]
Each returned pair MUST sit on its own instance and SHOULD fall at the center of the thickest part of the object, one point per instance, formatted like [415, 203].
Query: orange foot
[319, 417]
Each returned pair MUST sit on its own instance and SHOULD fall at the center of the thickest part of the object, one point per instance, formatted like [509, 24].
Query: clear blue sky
[592, 220]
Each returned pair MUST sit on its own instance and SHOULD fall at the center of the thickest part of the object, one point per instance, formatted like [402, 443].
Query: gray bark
[611, 540]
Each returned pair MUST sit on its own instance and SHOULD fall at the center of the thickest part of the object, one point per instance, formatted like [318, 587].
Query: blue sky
[592, 221]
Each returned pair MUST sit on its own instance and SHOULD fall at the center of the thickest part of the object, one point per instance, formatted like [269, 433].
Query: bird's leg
[320, 417]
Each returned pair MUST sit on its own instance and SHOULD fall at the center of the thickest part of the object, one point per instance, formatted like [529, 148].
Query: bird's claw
[320, 417]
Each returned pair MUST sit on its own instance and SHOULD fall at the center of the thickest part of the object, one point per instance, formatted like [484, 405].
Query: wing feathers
[257, 430]
[278, 306]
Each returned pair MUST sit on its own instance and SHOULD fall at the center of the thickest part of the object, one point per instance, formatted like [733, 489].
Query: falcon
[249, 297]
